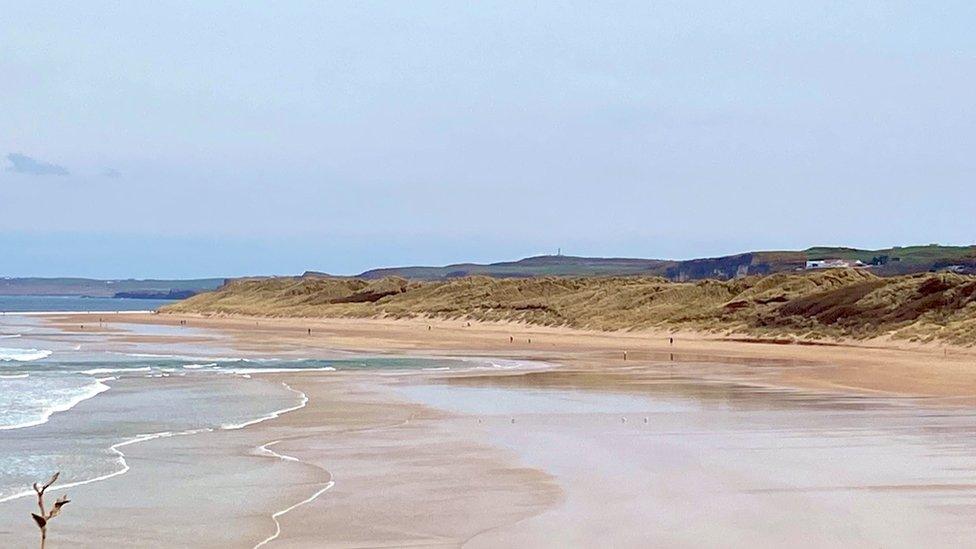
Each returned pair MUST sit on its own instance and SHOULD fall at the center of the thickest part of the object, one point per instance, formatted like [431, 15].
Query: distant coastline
[36, 304]
[89, 287]
[171, 294]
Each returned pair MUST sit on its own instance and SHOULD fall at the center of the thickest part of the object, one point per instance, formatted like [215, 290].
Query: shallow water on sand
[729, 464]
[53, 384]
[87, 443]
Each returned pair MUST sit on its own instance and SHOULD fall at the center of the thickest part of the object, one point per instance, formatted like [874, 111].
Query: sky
[187, 139]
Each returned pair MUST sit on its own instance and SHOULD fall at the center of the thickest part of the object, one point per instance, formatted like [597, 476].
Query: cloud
[111, 172]
[20, 163]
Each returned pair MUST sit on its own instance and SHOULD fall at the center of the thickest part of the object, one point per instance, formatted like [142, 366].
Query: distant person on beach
[671, 341]
[309, 331]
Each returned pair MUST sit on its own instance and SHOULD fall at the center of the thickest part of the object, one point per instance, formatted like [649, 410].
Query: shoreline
[373, 439]
[874, 366]
[125, 467]
[261, 430]
[150, 476]
[278, 514]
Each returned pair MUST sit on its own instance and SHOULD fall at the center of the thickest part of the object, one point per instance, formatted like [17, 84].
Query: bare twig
[45, 516]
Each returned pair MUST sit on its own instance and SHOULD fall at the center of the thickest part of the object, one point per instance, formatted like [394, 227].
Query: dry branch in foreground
[45, 515]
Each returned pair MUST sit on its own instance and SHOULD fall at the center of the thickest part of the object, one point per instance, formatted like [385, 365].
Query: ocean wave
[198, 366]
[53, 408]
[9, 336]
[99, 371]
[241, 371]
[15, 376]
[191, 358]
[122, 467]
[120, 459]
[23, 355]
[492, 363]
[188, 357]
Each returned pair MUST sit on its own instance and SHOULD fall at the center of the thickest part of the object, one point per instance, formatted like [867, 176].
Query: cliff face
[737, 266]
[813, 305]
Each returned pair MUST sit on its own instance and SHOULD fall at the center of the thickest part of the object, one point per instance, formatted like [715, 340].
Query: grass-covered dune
[811, 305]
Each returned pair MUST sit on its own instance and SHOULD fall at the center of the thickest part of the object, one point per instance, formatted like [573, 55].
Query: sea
[72, 402]
[75, 304]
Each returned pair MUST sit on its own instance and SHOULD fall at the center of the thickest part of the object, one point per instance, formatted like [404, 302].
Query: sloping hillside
[814, 305]
[883, 262]
[543, 265]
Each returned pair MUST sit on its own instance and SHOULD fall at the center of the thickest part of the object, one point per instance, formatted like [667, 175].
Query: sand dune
[835, 304]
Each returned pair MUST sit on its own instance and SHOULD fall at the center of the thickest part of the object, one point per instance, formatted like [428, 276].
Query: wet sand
[595, 359]
[358, 466]
[181, 490]
[782, 470]
[703, 443]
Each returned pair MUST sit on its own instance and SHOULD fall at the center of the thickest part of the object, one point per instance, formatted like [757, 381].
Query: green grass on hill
[851, 303]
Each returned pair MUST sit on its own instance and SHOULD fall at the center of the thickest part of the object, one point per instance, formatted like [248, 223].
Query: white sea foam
[99, 371]
[52, 408]
[15, 376]
[506, 364]
[73, 395]
[9, 336]
[190, 358]
[197, 366]
[266, 449]
[151, 355]
[124, 466]
[241, 371]
[302, 396]
[120, 459]
[22, 355]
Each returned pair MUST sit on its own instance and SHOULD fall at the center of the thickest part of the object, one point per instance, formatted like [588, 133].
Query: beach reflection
[715, 455]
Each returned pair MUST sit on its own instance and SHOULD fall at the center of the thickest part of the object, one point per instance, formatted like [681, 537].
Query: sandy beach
[702, 442]
[870, 366]
[507, 275]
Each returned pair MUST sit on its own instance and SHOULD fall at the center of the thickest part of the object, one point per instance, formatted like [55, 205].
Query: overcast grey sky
[208, 138]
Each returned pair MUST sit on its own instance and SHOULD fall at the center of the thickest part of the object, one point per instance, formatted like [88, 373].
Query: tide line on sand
[120, 456]
[266, 449]
[302, 396]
